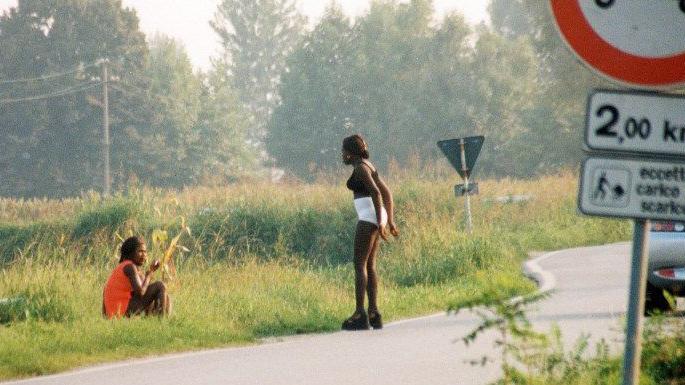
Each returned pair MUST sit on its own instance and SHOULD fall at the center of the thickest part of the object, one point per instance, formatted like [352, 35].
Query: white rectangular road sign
[631, 188]
[639, 122]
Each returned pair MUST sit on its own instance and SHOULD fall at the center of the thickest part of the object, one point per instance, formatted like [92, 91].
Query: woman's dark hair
[356, 145]
[128, 248]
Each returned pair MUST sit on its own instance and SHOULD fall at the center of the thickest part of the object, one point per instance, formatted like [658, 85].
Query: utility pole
[107, 187]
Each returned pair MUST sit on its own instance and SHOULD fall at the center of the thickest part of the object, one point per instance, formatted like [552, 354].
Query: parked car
[666, 265]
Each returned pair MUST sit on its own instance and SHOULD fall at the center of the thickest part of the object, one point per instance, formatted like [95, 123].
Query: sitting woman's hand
[154, 266]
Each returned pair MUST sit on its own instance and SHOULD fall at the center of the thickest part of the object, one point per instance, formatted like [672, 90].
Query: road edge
[545, 280]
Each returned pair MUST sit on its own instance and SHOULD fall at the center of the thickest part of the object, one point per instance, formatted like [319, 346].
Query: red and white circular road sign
[640, 43]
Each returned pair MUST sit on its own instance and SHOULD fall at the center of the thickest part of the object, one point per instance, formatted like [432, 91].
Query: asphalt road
[590, 296]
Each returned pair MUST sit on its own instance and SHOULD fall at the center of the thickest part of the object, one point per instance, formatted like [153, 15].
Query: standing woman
[373, 202]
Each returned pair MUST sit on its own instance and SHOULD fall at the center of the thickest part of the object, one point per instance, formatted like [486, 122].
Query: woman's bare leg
[372, 274]
[154, 301]
[364, 239]
[160, 302]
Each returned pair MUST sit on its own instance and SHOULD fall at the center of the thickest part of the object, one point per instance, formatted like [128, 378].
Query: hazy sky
[188, 20]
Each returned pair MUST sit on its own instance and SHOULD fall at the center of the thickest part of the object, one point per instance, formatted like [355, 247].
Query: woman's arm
[389, 206]
[139, 287]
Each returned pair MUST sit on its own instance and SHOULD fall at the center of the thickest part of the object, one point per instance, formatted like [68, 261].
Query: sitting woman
[128, 292]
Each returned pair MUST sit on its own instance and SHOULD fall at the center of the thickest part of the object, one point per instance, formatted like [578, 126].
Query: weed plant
[528, 357]
[663, 358]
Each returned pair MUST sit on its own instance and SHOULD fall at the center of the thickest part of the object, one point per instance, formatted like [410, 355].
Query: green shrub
[272, 231]
[42, 304]
[664, 350]
[110, 216]
[20, 240]
[436, 263]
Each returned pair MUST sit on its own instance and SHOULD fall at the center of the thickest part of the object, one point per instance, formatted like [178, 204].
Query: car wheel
[655, 300]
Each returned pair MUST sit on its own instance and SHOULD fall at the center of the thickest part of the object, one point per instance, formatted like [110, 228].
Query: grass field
[262, 260]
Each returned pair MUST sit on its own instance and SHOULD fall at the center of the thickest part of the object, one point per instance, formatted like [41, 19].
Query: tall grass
[263, 260]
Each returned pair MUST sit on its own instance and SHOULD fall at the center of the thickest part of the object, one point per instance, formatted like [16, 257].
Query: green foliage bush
[664, 350]
[109, 217]
[19, 240]
[321, 237]
[438, 263]
[36, 304]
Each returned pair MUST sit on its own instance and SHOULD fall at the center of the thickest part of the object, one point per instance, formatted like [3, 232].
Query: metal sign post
[636, 303]
[467, 208]
[462, 154]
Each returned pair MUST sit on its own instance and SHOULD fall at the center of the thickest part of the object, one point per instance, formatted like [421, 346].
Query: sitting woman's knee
[158, 286]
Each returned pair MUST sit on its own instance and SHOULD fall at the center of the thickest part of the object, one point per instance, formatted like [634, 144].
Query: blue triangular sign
[452, 150]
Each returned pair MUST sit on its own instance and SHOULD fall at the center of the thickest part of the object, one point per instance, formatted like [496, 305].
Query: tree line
[405, 81]
[280, 92]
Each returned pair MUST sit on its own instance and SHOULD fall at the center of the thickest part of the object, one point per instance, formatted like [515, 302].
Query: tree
[168, 126]
[319, 100]
[257, 36]
[53, 145]
[392, 40]
[193, 129]
[562, 84]
[511, 18]
[167, 115]
[392, 76]
[405, 82]
[503, 80]
[221, 153]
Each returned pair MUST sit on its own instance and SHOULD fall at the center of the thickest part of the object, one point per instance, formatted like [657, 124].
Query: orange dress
[117, 293]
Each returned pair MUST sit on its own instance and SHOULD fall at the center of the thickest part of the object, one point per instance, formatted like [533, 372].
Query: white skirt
[367, 213]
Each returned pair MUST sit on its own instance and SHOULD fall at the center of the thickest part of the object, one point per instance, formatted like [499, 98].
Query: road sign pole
[462, 154]
[467, 208]
[636, 303]
[469, 220]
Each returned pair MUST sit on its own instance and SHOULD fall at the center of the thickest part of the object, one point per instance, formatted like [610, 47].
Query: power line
[50, 76]
[64, 92]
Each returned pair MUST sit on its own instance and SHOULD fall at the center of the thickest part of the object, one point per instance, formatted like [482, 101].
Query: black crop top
[356, 184]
